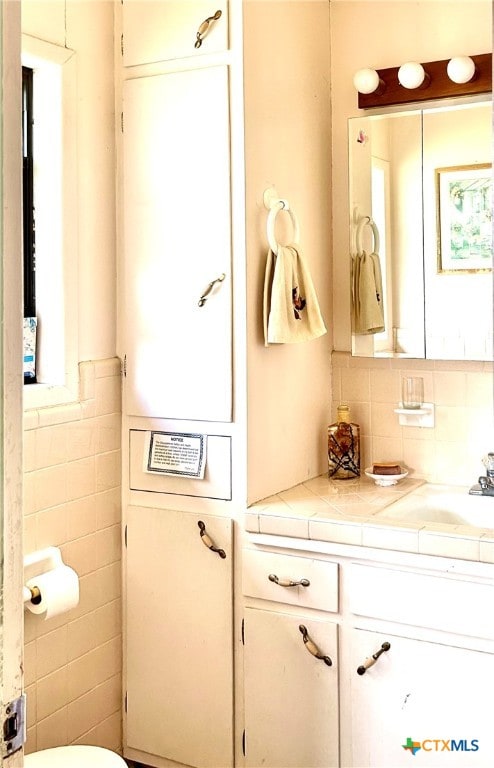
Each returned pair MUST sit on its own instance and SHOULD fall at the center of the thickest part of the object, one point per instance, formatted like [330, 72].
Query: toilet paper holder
[35, 564]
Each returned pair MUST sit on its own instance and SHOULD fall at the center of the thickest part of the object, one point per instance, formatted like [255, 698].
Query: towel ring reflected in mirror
[273, 212]
[375, 233]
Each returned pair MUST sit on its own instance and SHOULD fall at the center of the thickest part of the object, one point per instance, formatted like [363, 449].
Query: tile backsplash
[72, 500]
[463, 396]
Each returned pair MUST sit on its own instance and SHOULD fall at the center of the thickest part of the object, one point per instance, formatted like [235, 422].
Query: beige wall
[288, 145]
[72, 453]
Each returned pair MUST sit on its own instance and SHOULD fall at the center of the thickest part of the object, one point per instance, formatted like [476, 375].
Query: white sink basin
[443, 504]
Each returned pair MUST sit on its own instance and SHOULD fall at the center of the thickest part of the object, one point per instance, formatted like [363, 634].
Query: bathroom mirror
[424, 179]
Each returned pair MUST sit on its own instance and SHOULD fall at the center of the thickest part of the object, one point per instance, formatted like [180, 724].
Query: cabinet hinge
[125, 536]
[124, 366]
[121, 122]
[243, 631]
[121, 41]
[125, 701]
[243, 743]
[14, 725]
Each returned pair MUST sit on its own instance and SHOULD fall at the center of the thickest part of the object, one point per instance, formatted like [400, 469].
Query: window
[54, 199]
[28, 228]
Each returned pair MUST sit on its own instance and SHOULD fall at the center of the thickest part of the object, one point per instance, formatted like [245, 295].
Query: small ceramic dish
[385, 480]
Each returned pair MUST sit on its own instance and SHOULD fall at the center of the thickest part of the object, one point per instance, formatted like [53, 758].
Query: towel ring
[273, 212]
[375, 233]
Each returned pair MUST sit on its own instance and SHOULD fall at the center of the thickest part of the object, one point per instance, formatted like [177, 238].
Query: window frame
[55, 202]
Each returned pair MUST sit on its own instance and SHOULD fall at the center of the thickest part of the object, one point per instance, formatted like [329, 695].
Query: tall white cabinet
[176, 330]
[198, 89]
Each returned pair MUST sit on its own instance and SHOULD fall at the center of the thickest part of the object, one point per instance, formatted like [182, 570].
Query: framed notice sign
[177, 453]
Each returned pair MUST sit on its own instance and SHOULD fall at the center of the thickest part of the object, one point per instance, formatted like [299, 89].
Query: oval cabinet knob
[372, 659]
[208, 542]
[312, 647]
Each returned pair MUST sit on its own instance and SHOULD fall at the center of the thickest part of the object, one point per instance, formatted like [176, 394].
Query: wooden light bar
[437, 84]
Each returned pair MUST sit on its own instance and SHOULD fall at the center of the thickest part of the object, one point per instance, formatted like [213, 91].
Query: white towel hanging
[367, 290]
[290, 308]
[291, 311]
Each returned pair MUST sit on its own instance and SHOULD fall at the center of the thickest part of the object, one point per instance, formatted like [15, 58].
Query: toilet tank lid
[75, 756]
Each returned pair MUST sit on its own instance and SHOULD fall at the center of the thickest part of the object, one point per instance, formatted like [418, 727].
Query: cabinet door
[159, 30]
[176, 191]
[178, 640]
[436, 696]
[291, 697]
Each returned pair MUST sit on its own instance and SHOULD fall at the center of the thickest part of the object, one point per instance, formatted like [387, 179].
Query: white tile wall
[463, 395]
[72, 500]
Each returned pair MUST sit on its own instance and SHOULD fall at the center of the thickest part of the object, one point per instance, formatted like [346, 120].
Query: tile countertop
[347, 512]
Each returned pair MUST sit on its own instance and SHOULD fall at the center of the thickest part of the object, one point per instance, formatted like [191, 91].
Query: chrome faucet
[485, 486]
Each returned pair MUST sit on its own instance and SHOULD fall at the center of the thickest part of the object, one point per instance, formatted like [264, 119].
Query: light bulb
[461, 69]
[366, 80]
[411, 75]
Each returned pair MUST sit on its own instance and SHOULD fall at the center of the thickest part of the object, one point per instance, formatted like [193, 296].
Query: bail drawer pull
[312, 647]
[204, 27]
[288, 582]
[208, 542]
[210, 287]
[372, 660]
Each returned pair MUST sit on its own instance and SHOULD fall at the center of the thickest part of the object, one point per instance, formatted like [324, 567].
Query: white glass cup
[412, 392]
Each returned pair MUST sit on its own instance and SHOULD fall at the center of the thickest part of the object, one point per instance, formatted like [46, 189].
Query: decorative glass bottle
[343, 446]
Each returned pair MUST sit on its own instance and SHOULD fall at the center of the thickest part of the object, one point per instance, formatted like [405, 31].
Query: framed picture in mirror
[464, 218]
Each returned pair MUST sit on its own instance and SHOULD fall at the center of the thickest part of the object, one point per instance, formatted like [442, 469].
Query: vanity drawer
[436, 602]
[320, 593]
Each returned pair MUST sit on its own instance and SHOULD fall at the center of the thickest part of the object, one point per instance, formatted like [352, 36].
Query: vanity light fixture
[414, 82]
[461, 69]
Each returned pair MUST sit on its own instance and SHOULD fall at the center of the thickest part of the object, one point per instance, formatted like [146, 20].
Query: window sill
[47, 395]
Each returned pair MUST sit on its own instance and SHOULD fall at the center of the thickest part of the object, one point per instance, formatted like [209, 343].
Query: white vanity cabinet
[411, 639]
[434, 683]
[290, 694]
[166, 30]
[178, 638]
